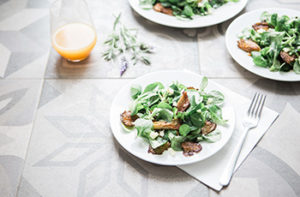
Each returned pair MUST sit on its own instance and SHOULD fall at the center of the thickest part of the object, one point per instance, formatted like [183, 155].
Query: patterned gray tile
[13, 97]
[3, 1]
[26, 190]
[4, 139]
[82, 150]
[18, 42]
[266, 174]
[11, 7]
[25, 35]
[280, 167]
[22, 97]
[103, 165]
[76, 126]
[72, 151]
[18, 102]
[38, 4]
[10, 172]
[132, 190]
[49, 93]
[23, 50]
[39, 32]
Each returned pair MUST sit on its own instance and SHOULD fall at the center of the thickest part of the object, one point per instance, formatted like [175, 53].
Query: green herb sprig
[124, 41]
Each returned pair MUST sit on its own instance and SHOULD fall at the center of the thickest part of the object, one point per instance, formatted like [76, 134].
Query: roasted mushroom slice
[127, 119]
[261, 25]
[183, 102]
[286, 57]
[159, 150]
[248, 45]
[189, 148]
[191, 88]
[175, 124]
[208, 127]
[159, 8]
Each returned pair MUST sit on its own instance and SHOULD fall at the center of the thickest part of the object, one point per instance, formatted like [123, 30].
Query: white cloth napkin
[210, 170]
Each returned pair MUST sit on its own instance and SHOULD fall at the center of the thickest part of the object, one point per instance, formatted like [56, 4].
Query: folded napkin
[210, 170]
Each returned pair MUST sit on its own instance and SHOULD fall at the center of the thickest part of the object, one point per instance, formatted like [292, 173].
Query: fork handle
[227, 174]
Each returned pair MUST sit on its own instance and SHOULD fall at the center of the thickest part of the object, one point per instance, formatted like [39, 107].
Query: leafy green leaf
[216, 115]
[153, 86]
[259, 60]
[143, 127]
[147, 4]
[135, 91]
[203, 83]
[136, 107]
[296, 66]
[196, 119]
[163, 114]
[213, 136]
[164, 105]
[157, 142]
[176, 143]
[184, 129]
[215, 97]
[188, 11]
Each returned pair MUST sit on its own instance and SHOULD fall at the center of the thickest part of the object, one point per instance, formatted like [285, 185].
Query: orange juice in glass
[73, 35]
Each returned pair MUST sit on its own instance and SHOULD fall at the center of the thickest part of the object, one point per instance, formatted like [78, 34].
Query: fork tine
[261, 105]
[252, 102]
[259, 102]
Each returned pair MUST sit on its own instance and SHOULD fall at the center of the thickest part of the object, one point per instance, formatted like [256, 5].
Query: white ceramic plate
[138, 147]
[247, 20]
[218, 15]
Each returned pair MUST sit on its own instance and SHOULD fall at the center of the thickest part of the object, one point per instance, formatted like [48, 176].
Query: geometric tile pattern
[24, 35]
[55, 138]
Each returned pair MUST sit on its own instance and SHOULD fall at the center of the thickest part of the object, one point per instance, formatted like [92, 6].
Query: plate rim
[126, 86]
[141, 13]
[229, 45]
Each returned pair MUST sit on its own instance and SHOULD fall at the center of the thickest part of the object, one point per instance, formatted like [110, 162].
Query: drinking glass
[73, 34]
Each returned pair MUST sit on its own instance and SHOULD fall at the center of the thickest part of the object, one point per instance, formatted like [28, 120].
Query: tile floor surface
[55, 138]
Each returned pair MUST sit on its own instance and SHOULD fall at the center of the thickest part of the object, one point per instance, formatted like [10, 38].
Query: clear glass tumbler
[73, 34]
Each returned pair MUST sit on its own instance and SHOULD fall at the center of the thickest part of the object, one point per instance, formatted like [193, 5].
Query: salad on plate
[174, 118]
[273, 42]
[184, 8]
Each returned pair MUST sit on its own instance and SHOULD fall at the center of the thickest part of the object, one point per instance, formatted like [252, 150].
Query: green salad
[184, 8]
[274, 42]
[174, 118]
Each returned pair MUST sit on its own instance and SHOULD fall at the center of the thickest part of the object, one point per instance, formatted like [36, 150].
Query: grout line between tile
[32, 129]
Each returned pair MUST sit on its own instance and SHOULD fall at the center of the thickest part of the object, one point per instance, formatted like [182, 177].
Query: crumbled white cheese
[210, 100]
[171, 135]
[171, 152]
[170, 91]
[260, 30]
[286, 50]
[162, 133]
[201, 3]
[174, 103]
[153, 134]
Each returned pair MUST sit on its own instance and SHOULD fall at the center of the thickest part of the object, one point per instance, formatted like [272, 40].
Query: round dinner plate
[218, 15]
[138, 147]
[246, 21]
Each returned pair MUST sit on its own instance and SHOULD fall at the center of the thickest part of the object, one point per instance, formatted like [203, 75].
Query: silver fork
[250, 121]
